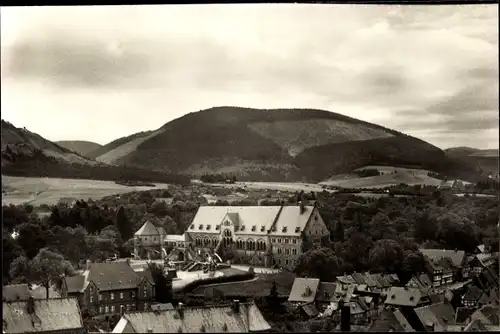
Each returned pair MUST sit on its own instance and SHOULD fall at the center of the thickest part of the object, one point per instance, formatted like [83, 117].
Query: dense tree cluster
[367, 172]
[218, 178]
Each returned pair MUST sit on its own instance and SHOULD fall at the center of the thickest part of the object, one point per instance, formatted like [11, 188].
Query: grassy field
[391, 176]
[37, 191]
[261, 286]
[279, 186]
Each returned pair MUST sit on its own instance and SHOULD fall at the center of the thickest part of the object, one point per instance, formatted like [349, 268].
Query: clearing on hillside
[37, 191]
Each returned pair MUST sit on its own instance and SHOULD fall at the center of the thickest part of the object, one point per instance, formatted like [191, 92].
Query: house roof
[161, 230]
[443, 264]
[327, 292]
[304, 290]
[473, 293]
[456, 256]
[481, 248]
[403, 296]
[146, 273]
[346, 279]
[462, 314]
[41, 293]
[175, 237]
[162, 307]
[310, 309]
[211, 319]
[15, 292]
[386, 322]
[107, 277]
[486, 260]
[359, 278]
[489, 314]
[49, 315]
[440, 314]
[403, 321]
[147, 228]
[252, 220]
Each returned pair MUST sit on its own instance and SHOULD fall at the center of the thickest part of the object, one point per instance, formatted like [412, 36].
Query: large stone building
[148, 241]
[258, 235]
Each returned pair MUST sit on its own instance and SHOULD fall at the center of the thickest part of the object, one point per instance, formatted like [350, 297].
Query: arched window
[214, 242]
[261, 245]
[250, 244]
[227, 233]
[198, 241]
[206, 242]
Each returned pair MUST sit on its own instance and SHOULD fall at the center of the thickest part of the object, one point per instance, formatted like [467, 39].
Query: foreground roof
[49, 315]
[439, 314]
[304, 290]
[210, 319]
[107, 276]
[15, 292]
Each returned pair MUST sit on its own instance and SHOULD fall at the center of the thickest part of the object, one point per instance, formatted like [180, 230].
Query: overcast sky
[98, 73]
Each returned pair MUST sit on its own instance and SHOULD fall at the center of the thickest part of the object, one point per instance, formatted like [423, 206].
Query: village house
[259, 235]
[149, 241]
[56, 315]
[231, 318]
[390, 321]
[405, 297]
[106, 289]
[482, 261]
[445, 266]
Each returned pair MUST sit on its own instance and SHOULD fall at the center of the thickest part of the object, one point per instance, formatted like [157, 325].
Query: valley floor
[37, 191]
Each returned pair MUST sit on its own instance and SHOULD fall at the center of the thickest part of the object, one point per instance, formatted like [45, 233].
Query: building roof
[107, 277]
[310, 309]
[386, 322]
[462, 314]
[403, 296]
[40, 292]
[252, 220]
[146, 229]
[403, 321]
[346, 279]
[481, 248]
[456, 256]
[175, 237]
[161, 231]
[486, 260]
[15, 292]
[49, 315]
[439, 314]
[162, 307]
[359, 278]
[291, 221]
[211, 319]
[304, 290]
[327, 292]
[473, 293]
[489, 314]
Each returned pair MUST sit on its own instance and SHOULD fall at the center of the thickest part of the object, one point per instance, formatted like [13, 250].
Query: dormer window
[200, 227]
[284, 228]
[273, 229]
[262, 228]
[253, 228]
[217, 227]
[208, 227]
[242, 228]
[297, 229]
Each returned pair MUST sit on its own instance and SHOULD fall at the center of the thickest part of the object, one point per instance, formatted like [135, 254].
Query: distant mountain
[485, 160]
[79, 146]
[25, 153]
[277, 144]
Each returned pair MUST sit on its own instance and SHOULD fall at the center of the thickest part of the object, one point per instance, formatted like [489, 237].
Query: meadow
[37, 191]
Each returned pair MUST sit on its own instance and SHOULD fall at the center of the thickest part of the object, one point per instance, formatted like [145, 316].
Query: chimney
[345, 317]
[31, 305]
[88, 264]
[150, 330]
[236, 306]
[180, 309]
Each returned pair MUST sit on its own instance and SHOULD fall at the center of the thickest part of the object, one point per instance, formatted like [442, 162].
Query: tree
[163, 284]
[320, 263]
[10, 251]
[19, 271]
[31, 238]
[273, 298]
[386, 255]
[47, 267]
[123, 224]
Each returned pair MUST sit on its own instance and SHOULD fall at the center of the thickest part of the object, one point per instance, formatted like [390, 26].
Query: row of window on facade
[112, 309]
[122, 295]
[285, 262]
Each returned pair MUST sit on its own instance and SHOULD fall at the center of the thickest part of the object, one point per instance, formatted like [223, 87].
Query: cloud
[405, 67]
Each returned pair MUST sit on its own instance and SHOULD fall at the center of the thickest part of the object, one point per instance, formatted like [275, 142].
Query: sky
[98, 73]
